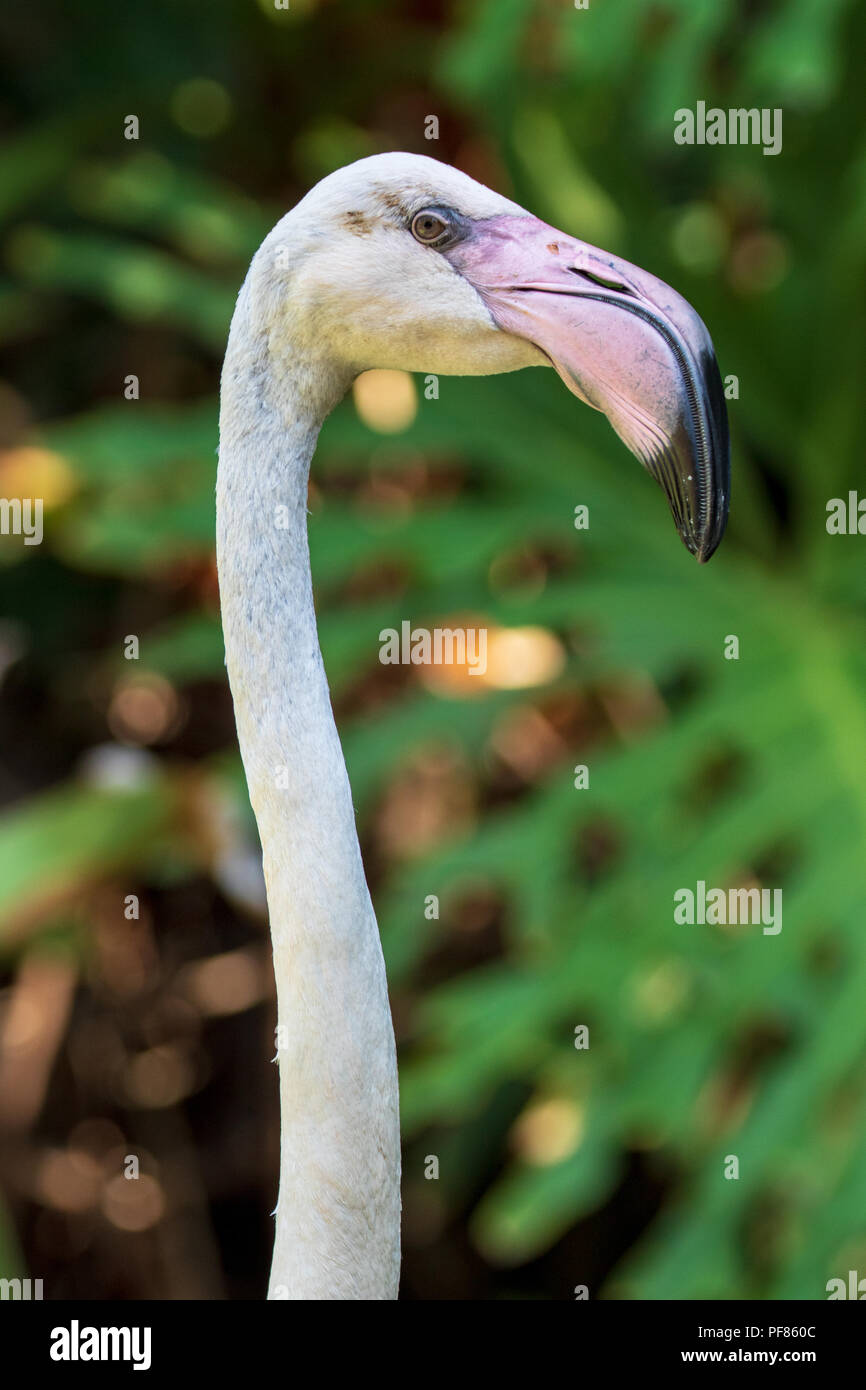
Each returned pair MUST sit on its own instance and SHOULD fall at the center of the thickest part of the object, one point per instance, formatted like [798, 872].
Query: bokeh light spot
[548, 1131]
[386, 401]
[201, 107]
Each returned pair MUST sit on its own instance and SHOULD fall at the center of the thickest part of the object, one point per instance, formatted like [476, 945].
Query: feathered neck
[337, 1232]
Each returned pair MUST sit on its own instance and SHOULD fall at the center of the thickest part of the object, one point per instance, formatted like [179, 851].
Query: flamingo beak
[626, 344]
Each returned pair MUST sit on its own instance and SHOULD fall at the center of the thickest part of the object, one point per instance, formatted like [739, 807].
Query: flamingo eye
[430, 227]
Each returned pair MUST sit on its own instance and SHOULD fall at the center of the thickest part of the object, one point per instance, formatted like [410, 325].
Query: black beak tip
[693, 466]
[703, 538]
[704, 544]
[708, 547]
[715, 484]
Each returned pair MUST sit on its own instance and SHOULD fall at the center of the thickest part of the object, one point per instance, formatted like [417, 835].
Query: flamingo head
[401, 261]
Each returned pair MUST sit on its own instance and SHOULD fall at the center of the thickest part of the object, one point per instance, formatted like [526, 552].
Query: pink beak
[623, 342]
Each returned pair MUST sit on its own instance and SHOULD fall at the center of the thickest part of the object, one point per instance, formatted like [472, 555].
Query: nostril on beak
[605, 283]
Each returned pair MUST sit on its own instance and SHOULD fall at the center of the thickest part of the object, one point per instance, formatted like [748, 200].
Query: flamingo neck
[338, 1212]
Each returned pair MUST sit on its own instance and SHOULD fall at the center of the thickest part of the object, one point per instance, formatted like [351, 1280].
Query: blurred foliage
[558, 1166]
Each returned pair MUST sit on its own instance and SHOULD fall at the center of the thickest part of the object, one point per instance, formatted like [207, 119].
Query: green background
[558, 1167]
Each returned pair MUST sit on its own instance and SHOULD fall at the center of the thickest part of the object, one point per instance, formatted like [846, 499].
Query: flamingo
[395, 261]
